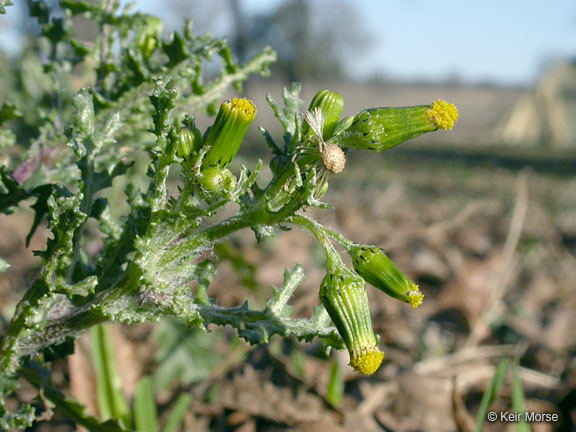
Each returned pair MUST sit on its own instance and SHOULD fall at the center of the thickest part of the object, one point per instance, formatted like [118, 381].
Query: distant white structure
[547, 115]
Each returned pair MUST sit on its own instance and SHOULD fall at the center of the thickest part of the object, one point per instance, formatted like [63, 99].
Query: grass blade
[518, 400]
[145, 414]
[335, 391]
[111, 400]
[491, 392]
[178, 412]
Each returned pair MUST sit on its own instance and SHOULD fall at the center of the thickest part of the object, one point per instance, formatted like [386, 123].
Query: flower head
[228, 131]
[344, 296]
[443, 114]
[379, 129]
[377, 269]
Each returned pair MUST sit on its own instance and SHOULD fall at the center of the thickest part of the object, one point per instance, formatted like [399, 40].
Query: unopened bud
[217, 181]
[228, 131]
[379, 129]
[189, 141]
[344, 296]
[378, 270]
[330, 105]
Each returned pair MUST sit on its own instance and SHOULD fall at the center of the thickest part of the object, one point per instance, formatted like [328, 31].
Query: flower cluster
[343, 291]
[320, 154]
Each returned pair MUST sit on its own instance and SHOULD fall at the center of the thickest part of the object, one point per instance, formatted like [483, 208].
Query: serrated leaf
[64, 217]
[292, 104]
[270, 141]
[83, 288]
[14, 192]
[8, 383]
[19, 420]
[39, 9]
[78, 7]
[3, 4]
[83, 121]
[278, 305]
[103, 179]
[55, 30]
[255, 335]
[9, 111]
[175, 49]
[7, 139]
[262, 232]
[247, 179]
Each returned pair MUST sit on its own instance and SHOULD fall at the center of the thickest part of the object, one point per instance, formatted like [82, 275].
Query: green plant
[113, 404]
[492, 391]
[83, 143]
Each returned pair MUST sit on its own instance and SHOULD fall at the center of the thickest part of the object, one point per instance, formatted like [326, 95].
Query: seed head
[334, 158]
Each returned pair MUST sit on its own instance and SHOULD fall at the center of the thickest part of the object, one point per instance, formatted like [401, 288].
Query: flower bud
[228, 130]
[377, 269]
[380, 129]
[330, 104]
[344, 296]
[217, 181]
[189, 140]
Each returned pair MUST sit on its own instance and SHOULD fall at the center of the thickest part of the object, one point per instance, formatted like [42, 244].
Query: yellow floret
[443, 114]
[415, 297]
[367, 361]
[243, 106]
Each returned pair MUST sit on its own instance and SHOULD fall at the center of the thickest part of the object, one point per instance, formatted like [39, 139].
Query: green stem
[205, 238]
[15, 344]
[339, 238]
[320, 233]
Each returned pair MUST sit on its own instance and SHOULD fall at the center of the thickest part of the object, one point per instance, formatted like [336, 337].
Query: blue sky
[502, 41]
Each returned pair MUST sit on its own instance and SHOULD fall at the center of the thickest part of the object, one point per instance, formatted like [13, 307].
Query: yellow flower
[378, 270]
[228, 131]
[443, 114]
[343, 294]
[379, 129]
